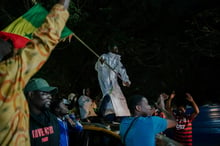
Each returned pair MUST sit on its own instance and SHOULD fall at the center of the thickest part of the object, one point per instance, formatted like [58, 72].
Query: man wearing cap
[17, 69]
[44, 128]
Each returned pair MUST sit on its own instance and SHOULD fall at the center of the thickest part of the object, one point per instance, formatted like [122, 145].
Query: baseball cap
[39, 84]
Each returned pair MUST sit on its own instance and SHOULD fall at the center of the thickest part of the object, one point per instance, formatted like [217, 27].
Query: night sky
[165, 45]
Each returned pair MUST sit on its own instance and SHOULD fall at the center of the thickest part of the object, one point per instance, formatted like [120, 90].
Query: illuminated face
[63, 110]
[41, 100]
[145, 108]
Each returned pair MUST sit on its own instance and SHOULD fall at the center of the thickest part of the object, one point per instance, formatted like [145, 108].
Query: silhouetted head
[181, 106]
[113, 48]
[10, 43]
[58, 107]
[86, 91]
[6, 49]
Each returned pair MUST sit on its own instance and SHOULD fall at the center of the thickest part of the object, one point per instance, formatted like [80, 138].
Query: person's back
[141, 129]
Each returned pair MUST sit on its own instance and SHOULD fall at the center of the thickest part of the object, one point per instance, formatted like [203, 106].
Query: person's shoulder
[81, 97]
[140, 119]
[127, 119]
[151, 119]
[113, 54]
[105, 55]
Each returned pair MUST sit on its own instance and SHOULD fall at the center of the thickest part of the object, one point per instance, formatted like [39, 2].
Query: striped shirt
[183, 130]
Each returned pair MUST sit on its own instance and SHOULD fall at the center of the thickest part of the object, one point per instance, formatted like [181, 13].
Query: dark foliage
[165, 45]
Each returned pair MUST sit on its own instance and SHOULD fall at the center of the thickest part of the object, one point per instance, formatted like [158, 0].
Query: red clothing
[17, 40]
[183, 130]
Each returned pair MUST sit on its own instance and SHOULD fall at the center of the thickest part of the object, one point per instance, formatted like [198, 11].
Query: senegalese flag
[26, 24]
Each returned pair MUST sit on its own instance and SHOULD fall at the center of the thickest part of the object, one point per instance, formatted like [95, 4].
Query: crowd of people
[33, 113]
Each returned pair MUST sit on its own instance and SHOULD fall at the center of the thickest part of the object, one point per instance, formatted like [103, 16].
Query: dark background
[165, 45]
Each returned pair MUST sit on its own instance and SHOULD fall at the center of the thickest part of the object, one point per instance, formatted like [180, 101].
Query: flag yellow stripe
[18, 27]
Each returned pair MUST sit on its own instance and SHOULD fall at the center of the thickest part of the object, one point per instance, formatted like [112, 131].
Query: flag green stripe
[32, 19]
[21, 27]
[36, 15]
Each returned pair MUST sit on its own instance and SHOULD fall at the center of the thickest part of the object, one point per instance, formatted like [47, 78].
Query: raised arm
[169, 102]
[45, 39]
[194, 105]
[171, 122]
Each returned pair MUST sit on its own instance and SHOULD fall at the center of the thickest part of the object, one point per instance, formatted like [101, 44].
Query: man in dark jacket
[44, 128]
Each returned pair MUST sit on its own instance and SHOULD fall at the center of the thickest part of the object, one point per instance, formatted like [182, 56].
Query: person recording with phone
[67, 122]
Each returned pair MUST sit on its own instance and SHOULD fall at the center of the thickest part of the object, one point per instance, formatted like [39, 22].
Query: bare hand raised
[102, 60]
[127, 84]
[172, 95]
[189, 97]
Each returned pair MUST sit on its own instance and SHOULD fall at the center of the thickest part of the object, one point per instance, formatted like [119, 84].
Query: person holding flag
[109, 67]
[17, 67]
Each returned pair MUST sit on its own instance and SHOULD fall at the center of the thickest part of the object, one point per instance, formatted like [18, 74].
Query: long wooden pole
[90, 49]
